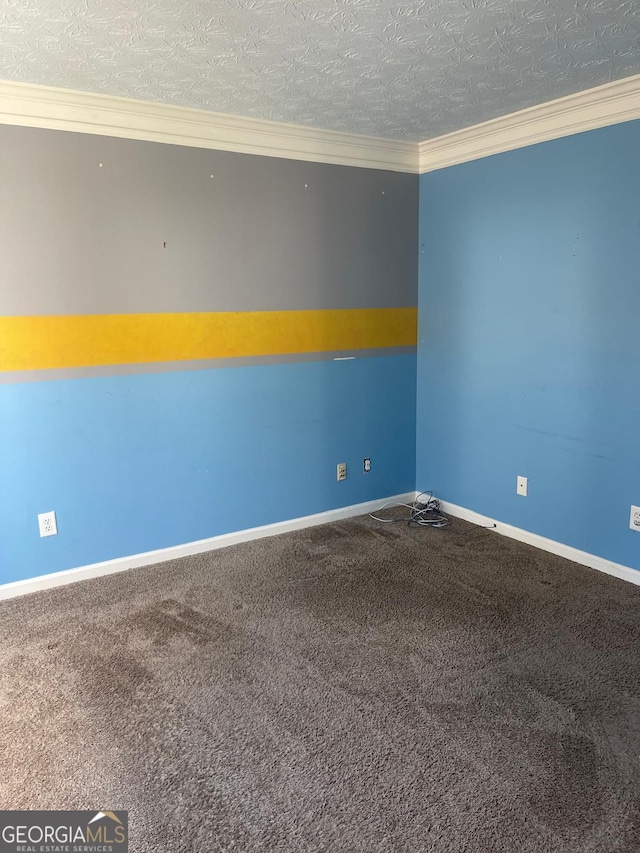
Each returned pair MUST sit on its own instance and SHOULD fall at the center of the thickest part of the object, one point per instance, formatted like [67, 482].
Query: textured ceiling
[408, 69]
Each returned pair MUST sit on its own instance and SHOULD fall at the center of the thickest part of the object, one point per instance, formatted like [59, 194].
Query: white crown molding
[149, 558]
[85, 112]
[29, 105]
[592, 561]
[605, 105]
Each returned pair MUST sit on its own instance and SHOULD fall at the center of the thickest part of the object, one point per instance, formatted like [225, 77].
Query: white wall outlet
[634, 521]
[341, 471]
[47, 524]
[366, 464]
[521, 486]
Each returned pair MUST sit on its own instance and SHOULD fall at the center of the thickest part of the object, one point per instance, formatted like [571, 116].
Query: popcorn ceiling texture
[411, 70]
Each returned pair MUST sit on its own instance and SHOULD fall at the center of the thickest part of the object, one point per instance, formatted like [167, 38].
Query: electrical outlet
[366, 464]
[342, 471]
[634, 521]
[47, 524]
[522, 486]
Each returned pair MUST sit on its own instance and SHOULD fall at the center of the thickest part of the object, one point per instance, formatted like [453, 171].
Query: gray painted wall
[263, 233]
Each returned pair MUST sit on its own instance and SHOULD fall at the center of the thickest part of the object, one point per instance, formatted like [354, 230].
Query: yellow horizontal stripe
[79, 340]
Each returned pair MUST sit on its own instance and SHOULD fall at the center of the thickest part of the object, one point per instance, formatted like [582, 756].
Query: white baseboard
[625, 573]
[148, 558]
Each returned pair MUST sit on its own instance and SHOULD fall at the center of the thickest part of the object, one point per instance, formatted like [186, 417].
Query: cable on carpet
[424, 511]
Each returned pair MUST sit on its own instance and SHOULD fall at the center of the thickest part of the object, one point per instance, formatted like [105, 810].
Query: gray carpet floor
[351, 687]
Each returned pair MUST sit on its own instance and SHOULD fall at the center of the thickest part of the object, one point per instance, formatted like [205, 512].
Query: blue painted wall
[529, 338]
[139, 462]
